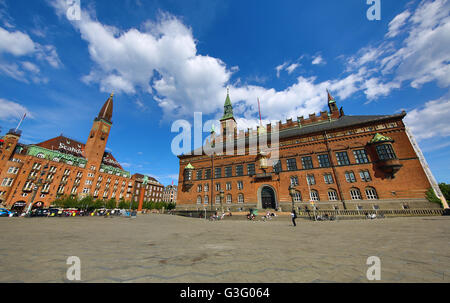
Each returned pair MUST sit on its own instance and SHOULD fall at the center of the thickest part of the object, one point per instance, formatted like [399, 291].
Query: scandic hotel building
[63, 166]
[336, 161]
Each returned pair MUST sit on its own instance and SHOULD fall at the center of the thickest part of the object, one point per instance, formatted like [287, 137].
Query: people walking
[293, 216]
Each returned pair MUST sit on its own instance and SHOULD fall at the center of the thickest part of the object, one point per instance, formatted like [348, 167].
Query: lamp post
[292, 192]
[35, 189]
[221, 199]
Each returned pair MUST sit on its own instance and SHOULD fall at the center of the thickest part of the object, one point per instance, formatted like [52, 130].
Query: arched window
[217, 199]
[199, 199]
[332, 195]
[206, 199]
[240, 198]
[355, 194]
[229, 199]
[314, 195]
[371, 193]
[40, 155]
[297, 197]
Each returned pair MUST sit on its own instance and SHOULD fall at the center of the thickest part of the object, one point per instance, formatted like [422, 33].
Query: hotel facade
[332, 160]
[40, 173]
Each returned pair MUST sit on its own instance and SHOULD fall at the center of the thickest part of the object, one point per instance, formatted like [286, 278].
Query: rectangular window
[250, 169]
[277, 166]
[208, 173]
[324, 161]
[385, 152]
[328, 178]
[217, 186]
[291, 164]
[217, 172]
[239, 170]
[307, 162]
[350, 176]
[228, 171]
[199, 188]
[310, 179]
[240, 185]
[342, 158]
[206, 188]
[294, 180]
[365, 176]
[360, 156]
[228, 186]
[199, 174]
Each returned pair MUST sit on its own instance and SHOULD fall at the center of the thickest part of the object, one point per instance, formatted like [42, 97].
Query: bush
[431, 196]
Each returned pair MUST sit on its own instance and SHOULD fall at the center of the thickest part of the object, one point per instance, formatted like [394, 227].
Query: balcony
[389, 167]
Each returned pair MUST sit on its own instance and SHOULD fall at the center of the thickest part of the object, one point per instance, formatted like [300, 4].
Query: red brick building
[335, 160]
[63, 166]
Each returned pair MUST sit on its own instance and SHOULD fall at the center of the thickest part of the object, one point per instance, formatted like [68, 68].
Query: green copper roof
[53, 155]
[189, 166]
[380, 138]
[227, 109]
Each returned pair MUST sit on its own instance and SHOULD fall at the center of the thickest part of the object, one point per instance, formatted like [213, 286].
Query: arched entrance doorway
[38, 204]
[18, 206]
[268, 199]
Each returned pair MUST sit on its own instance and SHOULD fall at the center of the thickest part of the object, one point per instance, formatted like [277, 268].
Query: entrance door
[268, 198]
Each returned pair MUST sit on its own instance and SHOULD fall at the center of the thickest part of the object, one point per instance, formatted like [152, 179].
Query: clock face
[105, 128]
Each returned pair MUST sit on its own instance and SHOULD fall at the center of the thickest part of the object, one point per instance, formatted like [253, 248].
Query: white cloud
[430, 120]
[162, 60]
[10, 110]
[16, 43]
[292, 67]
[397, 23]
[420, 57]
[318, 60]
[279, 68]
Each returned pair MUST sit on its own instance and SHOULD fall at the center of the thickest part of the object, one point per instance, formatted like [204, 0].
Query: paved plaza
[167, 248]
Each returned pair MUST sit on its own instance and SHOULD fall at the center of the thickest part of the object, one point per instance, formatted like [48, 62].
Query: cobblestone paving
[164, 248]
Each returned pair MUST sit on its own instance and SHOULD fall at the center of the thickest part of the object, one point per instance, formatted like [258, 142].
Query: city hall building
[330, 161]
[40, 173]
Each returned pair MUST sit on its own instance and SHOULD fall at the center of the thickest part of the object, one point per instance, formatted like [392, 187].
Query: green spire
[227, 108]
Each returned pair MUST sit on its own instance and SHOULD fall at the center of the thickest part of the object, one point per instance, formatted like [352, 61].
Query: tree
[445, 189]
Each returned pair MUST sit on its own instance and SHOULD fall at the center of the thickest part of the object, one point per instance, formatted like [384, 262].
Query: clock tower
[98, 137]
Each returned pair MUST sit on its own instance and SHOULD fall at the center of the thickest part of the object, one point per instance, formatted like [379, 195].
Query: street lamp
[35, 189]
[221, 199]
[292, 192]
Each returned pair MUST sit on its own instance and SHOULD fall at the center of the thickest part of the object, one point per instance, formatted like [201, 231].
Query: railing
[385, 212]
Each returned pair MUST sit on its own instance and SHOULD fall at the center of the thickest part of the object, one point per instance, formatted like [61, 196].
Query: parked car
[54, 212]
[41, 212]
[4, 212]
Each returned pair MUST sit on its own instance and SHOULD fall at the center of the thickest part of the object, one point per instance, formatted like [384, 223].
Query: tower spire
[107, 109]
[331, 103]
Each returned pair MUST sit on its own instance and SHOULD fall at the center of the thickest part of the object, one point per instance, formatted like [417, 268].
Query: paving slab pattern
[166, 248]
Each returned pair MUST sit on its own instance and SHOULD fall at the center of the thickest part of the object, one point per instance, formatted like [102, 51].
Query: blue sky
[166, 59]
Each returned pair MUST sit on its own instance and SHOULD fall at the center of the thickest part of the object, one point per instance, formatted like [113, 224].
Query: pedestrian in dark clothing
[293, 216]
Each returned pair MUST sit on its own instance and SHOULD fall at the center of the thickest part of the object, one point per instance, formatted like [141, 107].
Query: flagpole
[20, 122]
